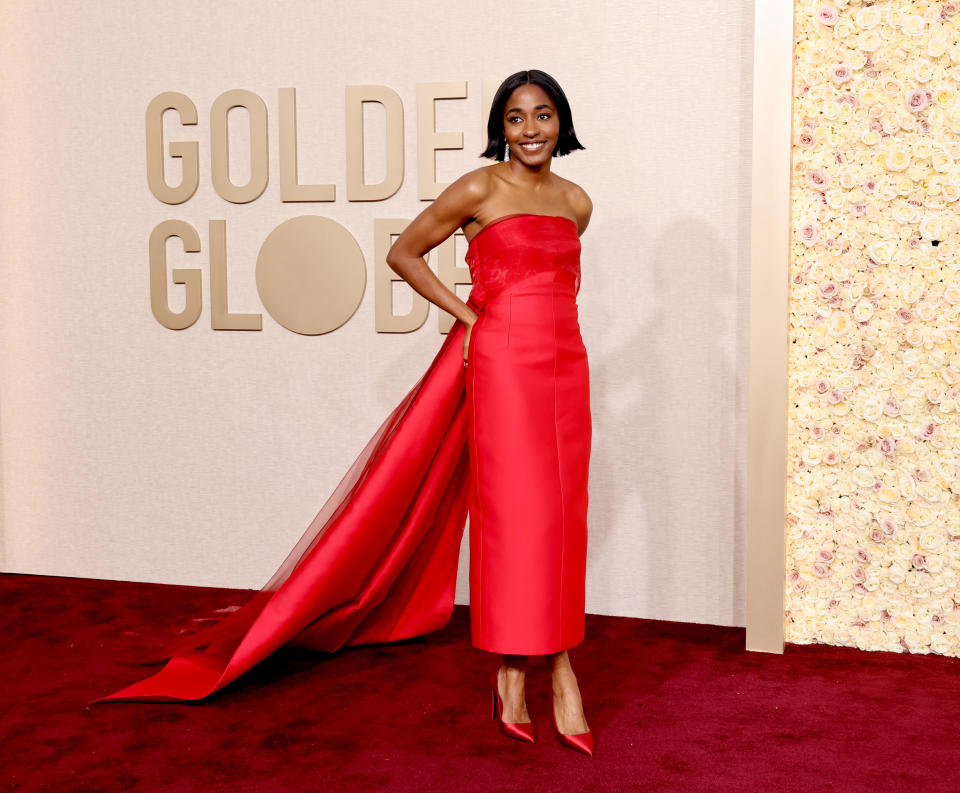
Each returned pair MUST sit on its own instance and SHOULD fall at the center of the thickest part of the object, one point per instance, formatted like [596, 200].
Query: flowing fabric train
[377, 564]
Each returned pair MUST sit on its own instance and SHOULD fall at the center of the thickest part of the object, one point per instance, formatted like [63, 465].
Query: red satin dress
[529, 434]
[507, 437]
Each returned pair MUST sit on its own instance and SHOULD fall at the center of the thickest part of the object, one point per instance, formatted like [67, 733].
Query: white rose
[931, 227]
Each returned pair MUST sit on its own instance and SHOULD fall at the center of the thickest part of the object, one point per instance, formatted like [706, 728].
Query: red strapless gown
[507, 437]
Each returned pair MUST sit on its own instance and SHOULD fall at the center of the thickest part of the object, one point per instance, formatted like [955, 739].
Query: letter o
[311, 274]
[220, 146]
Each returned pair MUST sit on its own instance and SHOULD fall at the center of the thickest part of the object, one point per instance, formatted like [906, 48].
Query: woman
[529, 117]
[499, 424]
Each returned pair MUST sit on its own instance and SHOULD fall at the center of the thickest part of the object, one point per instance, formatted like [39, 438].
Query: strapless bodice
[515, 248]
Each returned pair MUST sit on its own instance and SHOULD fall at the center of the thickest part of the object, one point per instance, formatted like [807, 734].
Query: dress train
[377, 564]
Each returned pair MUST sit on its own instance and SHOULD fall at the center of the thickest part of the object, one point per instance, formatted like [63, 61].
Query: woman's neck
[527, 177]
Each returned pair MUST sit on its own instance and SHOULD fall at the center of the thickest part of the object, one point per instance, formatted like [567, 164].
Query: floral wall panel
[873, 491]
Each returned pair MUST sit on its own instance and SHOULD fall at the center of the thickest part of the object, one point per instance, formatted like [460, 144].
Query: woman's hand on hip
[466, 336]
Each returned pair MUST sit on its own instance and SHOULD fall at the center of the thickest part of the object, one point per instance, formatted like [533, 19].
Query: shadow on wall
[668, 393]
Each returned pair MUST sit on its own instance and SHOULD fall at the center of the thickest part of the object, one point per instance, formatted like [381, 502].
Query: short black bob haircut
[497, 143]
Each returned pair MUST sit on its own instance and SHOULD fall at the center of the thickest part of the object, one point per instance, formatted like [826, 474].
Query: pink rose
[919, 561]
[887, 445]
[863, 555]
[822, 386]
[877, 536]
[820, 570]
[929, 430]
[828, 289]
[827, 15]
[841, 73]
[825, 556]
[809, 232]
[818, 179]
[904, 314]
[917, 100]
[859, 574]
[806, 139]
[835, 397]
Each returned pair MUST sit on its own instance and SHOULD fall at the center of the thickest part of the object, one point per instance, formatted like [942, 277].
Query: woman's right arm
[457, 204]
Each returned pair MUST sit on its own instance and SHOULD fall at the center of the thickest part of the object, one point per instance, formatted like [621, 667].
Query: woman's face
[530, 125]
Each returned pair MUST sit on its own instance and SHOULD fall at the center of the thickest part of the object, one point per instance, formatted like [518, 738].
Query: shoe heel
[519, 732]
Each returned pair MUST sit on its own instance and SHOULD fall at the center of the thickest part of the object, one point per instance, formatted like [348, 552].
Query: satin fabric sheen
[529, 436]
[507, 436]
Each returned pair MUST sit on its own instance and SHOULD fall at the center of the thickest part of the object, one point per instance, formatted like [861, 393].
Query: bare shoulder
[460, 200]
[579, 201]
[476, 184]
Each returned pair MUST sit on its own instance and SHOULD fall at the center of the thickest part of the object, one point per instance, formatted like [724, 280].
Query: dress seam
[556, 439]
[471, 355]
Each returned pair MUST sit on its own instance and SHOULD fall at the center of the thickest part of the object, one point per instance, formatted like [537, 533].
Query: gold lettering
[220, 316]
[429, 141]
[187, 151]
[190, 278]
[356, 97]
[290, 187]
[311, 274]
[220, 146]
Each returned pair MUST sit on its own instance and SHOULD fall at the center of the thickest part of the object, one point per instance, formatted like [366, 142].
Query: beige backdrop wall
[130, 451]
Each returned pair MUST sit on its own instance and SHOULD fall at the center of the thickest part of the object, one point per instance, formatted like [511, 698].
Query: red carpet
[674, 707]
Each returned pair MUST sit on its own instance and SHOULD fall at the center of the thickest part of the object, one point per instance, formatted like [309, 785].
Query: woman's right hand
[466, 337]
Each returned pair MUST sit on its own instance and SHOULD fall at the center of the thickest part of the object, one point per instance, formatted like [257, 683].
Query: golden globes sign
[310, 270]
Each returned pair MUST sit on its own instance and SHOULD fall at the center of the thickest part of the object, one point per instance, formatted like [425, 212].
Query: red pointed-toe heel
[522, 731]
[579, 742]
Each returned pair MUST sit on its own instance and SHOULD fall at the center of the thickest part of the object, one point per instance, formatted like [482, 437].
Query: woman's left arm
[582, 206]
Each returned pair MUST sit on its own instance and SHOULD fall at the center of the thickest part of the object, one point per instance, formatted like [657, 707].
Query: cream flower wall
[873, 491]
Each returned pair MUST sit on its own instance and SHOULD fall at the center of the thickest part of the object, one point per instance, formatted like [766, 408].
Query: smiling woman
[498, 425]
[504, 121]
[528, 393]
